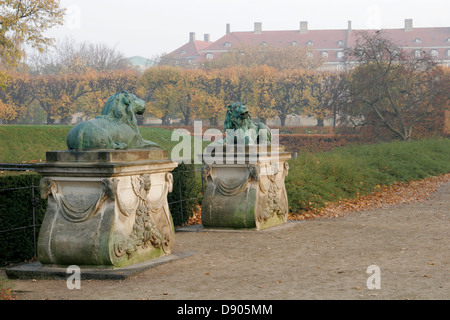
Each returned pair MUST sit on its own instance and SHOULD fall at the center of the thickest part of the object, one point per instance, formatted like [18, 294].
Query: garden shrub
[16, 216]
[186, 194]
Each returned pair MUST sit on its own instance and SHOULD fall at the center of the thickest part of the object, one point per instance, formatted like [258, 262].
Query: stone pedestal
[248, 194]
[106, 208]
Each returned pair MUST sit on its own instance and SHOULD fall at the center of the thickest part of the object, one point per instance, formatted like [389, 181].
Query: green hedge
[16, 216]
[186, 187]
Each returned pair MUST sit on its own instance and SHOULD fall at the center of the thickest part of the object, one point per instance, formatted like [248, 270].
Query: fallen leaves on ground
[196, 218]
[385, 196]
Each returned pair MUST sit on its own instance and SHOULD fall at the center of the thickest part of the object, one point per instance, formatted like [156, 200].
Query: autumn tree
[58, 94]
[70, 56]
[263, 92]
[280, 58]
[391, 87]
[159, 88]
[15, 98]
[25, 22]
[208, 97]
[328, 93]
[291, 94]
[99, 86]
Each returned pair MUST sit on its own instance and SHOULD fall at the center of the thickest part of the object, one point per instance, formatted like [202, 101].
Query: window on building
[417, 53]
[310, 43]
[183, 52]
[448, 52]
[340, 54]
[324, 54]
[264, 43]
[434, 53]
[309, 54]
[209, 56]
[340, 43]
[227, 44]
[294, 43]
[417, 40]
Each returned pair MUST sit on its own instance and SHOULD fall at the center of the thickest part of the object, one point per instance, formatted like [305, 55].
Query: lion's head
[238, 117]
[122, 107]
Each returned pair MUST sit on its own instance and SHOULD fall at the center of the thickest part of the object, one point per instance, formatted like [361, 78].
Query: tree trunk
[320, 122]
[50, 120]
[213, 122]
[283, 120]
[166, 121]
[66, 120]
[186, 121]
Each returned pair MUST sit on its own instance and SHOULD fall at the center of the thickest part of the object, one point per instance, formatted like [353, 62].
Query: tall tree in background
[58, 94]
[328, 94]
[280, 58]
[70, 56]
[159, 88]
[263, 99]
[15, 98]
[25, 21]
[291, 93]
[391, 87]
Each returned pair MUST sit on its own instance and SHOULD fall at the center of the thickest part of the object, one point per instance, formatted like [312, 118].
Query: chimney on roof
[228, 28]
[191, 36]
[408, 24]
[258, 27]
[349, 26]
[206, 37]
[303, 26]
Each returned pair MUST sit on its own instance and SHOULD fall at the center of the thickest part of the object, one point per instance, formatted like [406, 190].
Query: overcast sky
[152, 27]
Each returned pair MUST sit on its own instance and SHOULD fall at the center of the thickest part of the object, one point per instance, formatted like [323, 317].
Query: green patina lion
[115, 128]
[238, 118]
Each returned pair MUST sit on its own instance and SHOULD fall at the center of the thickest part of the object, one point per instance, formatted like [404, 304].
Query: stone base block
[105, 208]
[245, 195]
[36, 270]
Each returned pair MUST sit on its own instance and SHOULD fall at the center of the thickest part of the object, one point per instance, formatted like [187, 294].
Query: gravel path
[323, 258]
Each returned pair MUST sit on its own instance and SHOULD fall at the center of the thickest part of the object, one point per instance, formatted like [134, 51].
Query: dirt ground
[323, 258]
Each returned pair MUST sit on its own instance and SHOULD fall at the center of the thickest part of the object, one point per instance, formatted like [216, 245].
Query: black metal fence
[182, 200]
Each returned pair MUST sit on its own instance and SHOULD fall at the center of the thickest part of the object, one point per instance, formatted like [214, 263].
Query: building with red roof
[189, 53]
[329, 45]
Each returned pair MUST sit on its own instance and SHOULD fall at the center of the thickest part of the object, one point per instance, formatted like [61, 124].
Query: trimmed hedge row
[17, 235]
[186, 194]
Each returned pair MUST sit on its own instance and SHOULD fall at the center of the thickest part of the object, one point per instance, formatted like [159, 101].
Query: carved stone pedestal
[106, 209]
[246, 194]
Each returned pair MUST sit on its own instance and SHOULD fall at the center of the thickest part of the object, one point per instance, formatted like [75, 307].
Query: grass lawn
[25, 143]
[348, 172]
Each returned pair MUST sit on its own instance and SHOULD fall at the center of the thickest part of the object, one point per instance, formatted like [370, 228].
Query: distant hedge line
[17, 235]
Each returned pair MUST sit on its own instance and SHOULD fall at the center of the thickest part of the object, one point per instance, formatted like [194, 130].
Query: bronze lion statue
[238, 118]
[115, 128]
